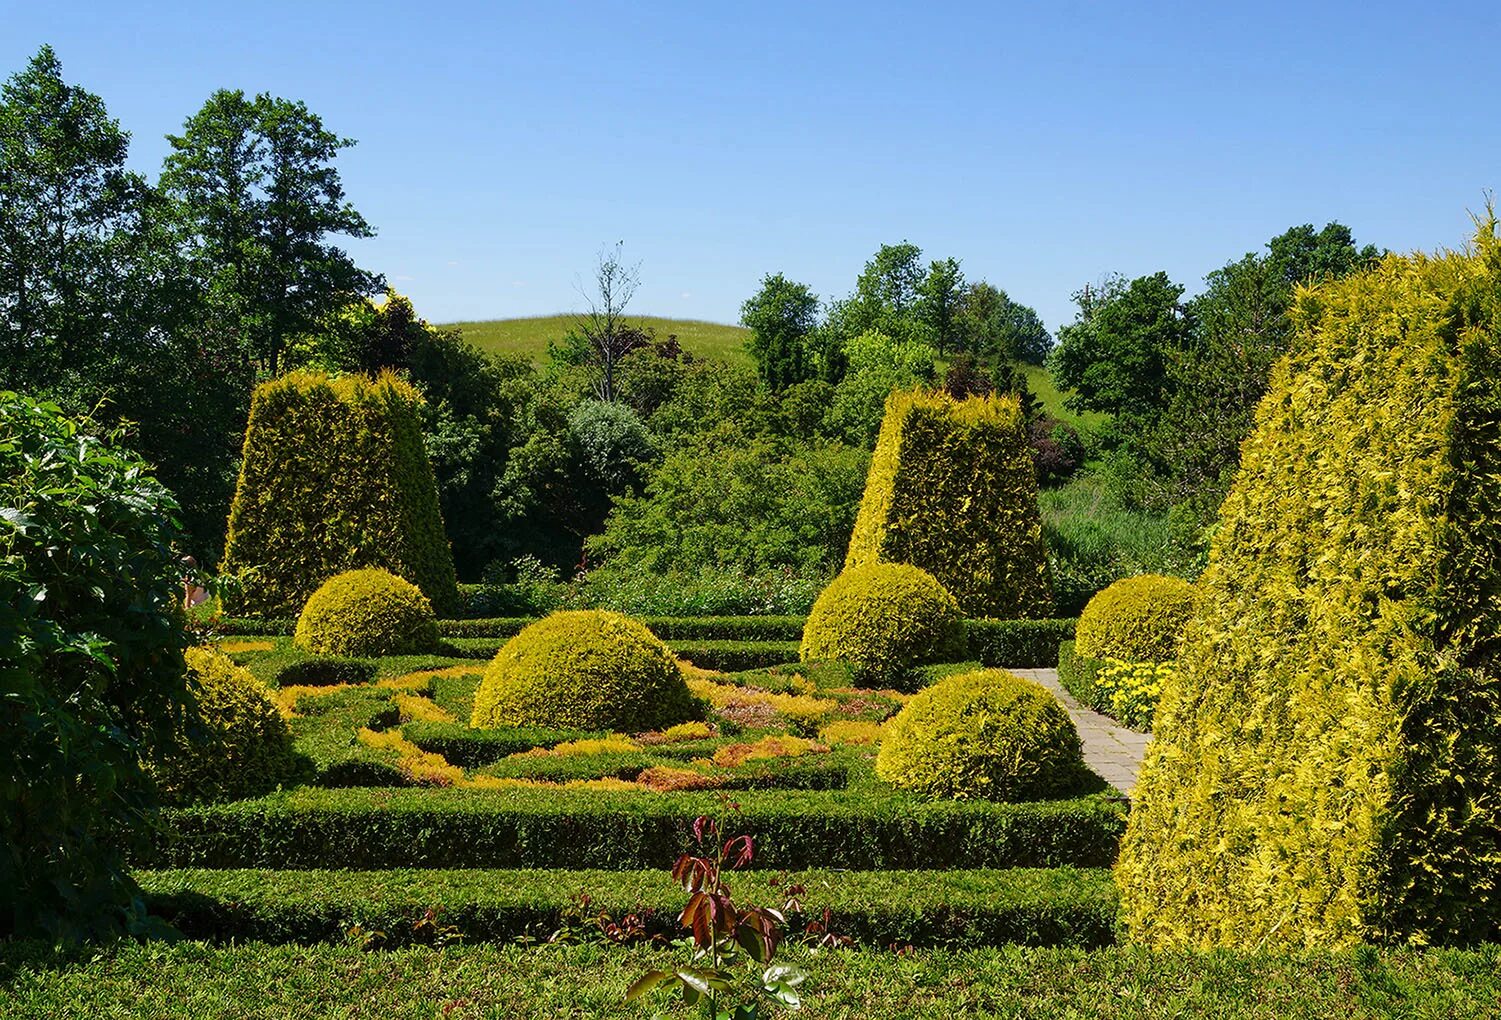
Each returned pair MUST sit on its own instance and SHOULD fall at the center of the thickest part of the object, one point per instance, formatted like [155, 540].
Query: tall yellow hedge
[335, 478]
[952, 489]
[1327, 764]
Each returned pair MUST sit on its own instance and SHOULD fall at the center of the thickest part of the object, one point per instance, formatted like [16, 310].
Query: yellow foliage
[612, 743]
[415, 708]
[774, 746]
[419, 766]
[231, 647]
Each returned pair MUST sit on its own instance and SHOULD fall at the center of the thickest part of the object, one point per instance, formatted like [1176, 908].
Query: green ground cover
[529, 336]
[190, 981]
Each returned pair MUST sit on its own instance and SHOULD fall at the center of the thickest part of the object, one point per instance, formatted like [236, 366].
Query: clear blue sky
[501, 145]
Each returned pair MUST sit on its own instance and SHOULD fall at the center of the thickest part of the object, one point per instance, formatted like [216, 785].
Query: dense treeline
[620, 455]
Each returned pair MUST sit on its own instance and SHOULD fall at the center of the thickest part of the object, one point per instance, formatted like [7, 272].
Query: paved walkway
[1109, 748]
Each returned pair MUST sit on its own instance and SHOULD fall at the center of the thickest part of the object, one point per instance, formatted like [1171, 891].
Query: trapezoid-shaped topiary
[952, 489]
[335, 478]
[1326, 764]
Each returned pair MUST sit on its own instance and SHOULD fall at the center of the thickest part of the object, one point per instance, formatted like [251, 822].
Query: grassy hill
[530, 336]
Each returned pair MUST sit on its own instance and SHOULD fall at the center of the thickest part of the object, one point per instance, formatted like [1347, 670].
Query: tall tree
[939, 297]
[601, 337]
[998, 330]
[68, 209]
[1115, 355]
[260, 197]
[780, 316]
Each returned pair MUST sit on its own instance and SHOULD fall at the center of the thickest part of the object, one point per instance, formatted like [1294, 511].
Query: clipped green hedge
[325, 727]
[668, 628]
[953, 490]
[884, 619]
[1077, 673]
[233, 744]
[1018, 644]
[334, 478]
[467, 747]
[369, 612]
[549, 828]
[1054, 907]
[1325, 768]
[325, 672]
[1137, 619]
[988, 735]
[583, 669]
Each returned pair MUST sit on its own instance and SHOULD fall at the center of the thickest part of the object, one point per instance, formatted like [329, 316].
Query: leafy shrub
[367, 612]
[988, 734]
[234, 744]
[1137, 619]
[1131, 689]
[1325, 765]
[1078, 673]
[583, 669]
[613, 441]
[952, 490]
[885, 618]
[91, 665]
[335, 478]
[1018, 644]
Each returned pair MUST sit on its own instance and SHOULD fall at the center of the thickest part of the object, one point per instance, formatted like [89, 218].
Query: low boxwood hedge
[1018, 644]
[1033, 906]
[862, 827]
[1077, 673]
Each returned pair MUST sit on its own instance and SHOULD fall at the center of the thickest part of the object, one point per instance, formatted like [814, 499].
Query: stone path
[1109, 748]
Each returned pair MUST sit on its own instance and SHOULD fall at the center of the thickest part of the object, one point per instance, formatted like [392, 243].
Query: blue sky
[502, 145]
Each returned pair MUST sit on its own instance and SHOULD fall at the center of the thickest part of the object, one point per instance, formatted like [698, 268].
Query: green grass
[530, 336]
[1040, 381]
[192, 980]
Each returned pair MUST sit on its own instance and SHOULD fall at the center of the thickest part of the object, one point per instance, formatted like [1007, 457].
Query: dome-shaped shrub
[884, 618]
[234, 745]
[586, 670]
[1136, 619]
[367, 612]
[988, 735]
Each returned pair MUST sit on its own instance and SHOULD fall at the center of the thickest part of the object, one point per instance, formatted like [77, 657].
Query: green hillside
[530, 336]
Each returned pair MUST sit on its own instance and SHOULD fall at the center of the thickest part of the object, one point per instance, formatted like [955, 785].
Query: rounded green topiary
[884, 618]
[1136, 619]
[235, 743]
[587, 670]
[987, 735]
[367, 612]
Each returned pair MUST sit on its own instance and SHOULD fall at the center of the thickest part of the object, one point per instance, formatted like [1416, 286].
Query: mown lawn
[192, 980]
[530, 336]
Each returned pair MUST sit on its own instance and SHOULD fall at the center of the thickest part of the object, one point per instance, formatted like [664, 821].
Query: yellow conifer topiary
[1136, 619]
[986, 735]
[884, 618]
[587, 670]
[366, 612]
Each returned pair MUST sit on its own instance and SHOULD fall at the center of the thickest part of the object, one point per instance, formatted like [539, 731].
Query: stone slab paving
[1109, 748]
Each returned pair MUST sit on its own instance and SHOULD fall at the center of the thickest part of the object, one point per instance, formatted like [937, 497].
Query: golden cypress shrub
[335, 478]
[952, 489]
[985, 735]
[1137, 619]
[885, 618]
[1327, 761]
[234, 744]
[585, 670]
[367, 612]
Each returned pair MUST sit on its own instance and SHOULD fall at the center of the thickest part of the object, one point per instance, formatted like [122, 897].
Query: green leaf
[646, 982]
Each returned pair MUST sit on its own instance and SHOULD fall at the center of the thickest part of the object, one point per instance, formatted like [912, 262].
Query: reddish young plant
[726, 938]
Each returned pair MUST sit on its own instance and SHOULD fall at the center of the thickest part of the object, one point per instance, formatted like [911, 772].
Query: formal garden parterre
[329, 769]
